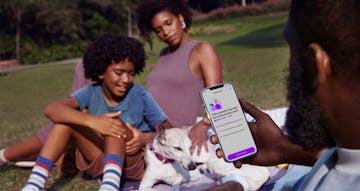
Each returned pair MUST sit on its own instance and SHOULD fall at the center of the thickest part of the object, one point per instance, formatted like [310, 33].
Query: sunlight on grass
[254, 58]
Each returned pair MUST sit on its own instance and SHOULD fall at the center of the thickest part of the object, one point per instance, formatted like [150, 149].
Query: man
[324, 98]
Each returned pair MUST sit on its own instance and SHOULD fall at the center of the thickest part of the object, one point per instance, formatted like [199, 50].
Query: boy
[112, 61]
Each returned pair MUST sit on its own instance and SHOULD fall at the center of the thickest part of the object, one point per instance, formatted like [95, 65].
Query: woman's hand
[108, 124]
[137, 142]
[197, 136]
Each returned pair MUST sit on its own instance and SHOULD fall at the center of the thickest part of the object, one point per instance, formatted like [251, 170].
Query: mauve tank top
[173, 86]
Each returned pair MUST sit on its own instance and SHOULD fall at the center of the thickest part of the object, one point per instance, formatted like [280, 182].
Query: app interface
[229, 122]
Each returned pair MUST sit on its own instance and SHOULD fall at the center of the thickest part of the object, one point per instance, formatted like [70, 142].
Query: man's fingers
[251, 109]
[237, 164]
[214, 140]
[219, 153]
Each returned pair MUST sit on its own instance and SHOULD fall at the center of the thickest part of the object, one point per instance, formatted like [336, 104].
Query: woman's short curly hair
[110, 48]
[149, 8]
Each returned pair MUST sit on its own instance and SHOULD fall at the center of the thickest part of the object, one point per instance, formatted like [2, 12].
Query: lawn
[254, 57]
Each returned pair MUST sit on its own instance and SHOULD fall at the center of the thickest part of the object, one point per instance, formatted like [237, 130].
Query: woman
[184, 66]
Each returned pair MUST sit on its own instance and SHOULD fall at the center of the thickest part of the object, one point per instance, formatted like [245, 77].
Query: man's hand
[109, 124]
[269, 139]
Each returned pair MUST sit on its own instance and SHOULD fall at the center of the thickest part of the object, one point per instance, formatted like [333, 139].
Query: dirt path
[5, 71]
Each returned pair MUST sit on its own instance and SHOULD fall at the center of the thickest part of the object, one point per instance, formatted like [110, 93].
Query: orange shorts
[95, 167]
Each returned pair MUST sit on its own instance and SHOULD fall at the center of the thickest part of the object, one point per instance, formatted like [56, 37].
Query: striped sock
[112, 173]
[39, 174]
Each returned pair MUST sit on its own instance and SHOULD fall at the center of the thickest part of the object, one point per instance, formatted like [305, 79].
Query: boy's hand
[136, 143]
[109, 124]
[269, 139]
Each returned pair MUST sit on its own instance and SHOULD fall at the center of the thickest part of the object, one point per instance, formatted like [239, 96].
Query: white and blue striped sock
[112, 173]
[39, 174]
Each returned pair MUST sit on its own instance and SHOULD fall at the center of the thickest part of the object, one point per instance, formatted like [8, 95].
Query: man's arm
[274, 147]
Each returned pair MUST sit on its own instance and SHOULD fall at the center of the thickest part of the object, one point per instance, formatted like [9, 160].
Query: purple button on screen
[241, 153]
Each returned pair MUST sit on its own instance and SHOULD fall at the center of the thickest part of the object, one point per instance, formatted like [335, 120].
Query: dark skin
[341, 111]
[265, 131]
[204, 63]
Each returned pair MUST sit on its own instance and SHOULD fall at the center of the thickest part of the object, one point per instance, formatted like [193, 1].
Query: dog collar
[159, 155]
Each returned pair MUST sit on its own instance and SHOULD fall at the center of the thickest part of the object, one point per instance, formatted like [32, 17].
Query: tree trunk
[17, 37]
[243, 3]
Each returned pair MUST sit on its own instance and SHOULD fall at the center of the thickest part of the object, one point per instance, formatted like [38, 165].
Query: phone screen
[228, 121]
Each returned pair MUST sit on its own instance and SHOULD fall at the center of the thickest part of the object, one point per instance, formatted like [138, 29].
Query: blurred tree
[104, 16]
[14, 11]
[206, 5]
[45, 24]
[209, 5]
[54, 22]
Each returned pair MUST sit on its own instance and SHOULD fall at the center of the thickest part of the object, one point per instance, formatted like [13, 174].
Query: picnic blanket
[278, 115]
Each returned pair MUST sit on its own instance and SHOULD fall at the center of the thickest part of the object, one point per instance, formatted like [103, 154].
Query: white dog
[168, 160]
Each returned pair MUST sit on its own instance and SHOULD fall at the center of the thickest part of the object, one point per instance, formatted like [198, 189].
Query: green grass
[254, 58]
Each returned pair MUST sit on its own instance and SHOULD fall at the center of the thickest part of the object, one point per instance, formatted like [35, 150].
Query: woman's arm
[205, 64]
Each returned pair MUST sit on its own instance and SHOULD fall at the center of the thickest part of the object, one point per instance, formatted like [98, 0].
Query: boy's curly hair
[110, 48]
[149, 8]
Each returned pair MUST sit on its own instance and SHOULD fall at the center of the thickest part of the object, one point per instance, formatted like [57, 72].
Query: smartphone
[228, 121]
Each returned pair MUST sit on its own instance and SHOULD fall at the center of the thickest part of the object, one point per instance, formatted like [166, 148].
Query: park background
[44, 43]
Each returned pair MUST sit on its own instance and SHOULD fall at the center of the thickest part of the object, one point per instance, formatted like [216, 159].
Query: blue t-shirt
[137, 108]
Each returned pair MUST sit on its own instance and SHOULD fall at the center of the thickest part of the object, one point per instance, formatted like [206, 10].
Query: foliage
[7, 47]
[234, 11]
[47, 23]
[254, 58]
[209, 5]
[54, 53]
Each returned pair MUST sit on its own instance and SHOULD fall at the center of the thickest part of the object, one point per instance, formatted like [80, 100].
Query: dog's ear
[160, 129]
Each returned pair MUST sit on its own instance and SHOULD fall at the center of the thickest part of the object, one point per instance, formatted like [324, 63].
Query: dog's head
[174, 144]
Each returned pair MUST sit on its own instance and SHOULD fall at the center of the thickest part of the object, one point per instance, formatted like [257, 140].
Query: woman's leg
[28, 149]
